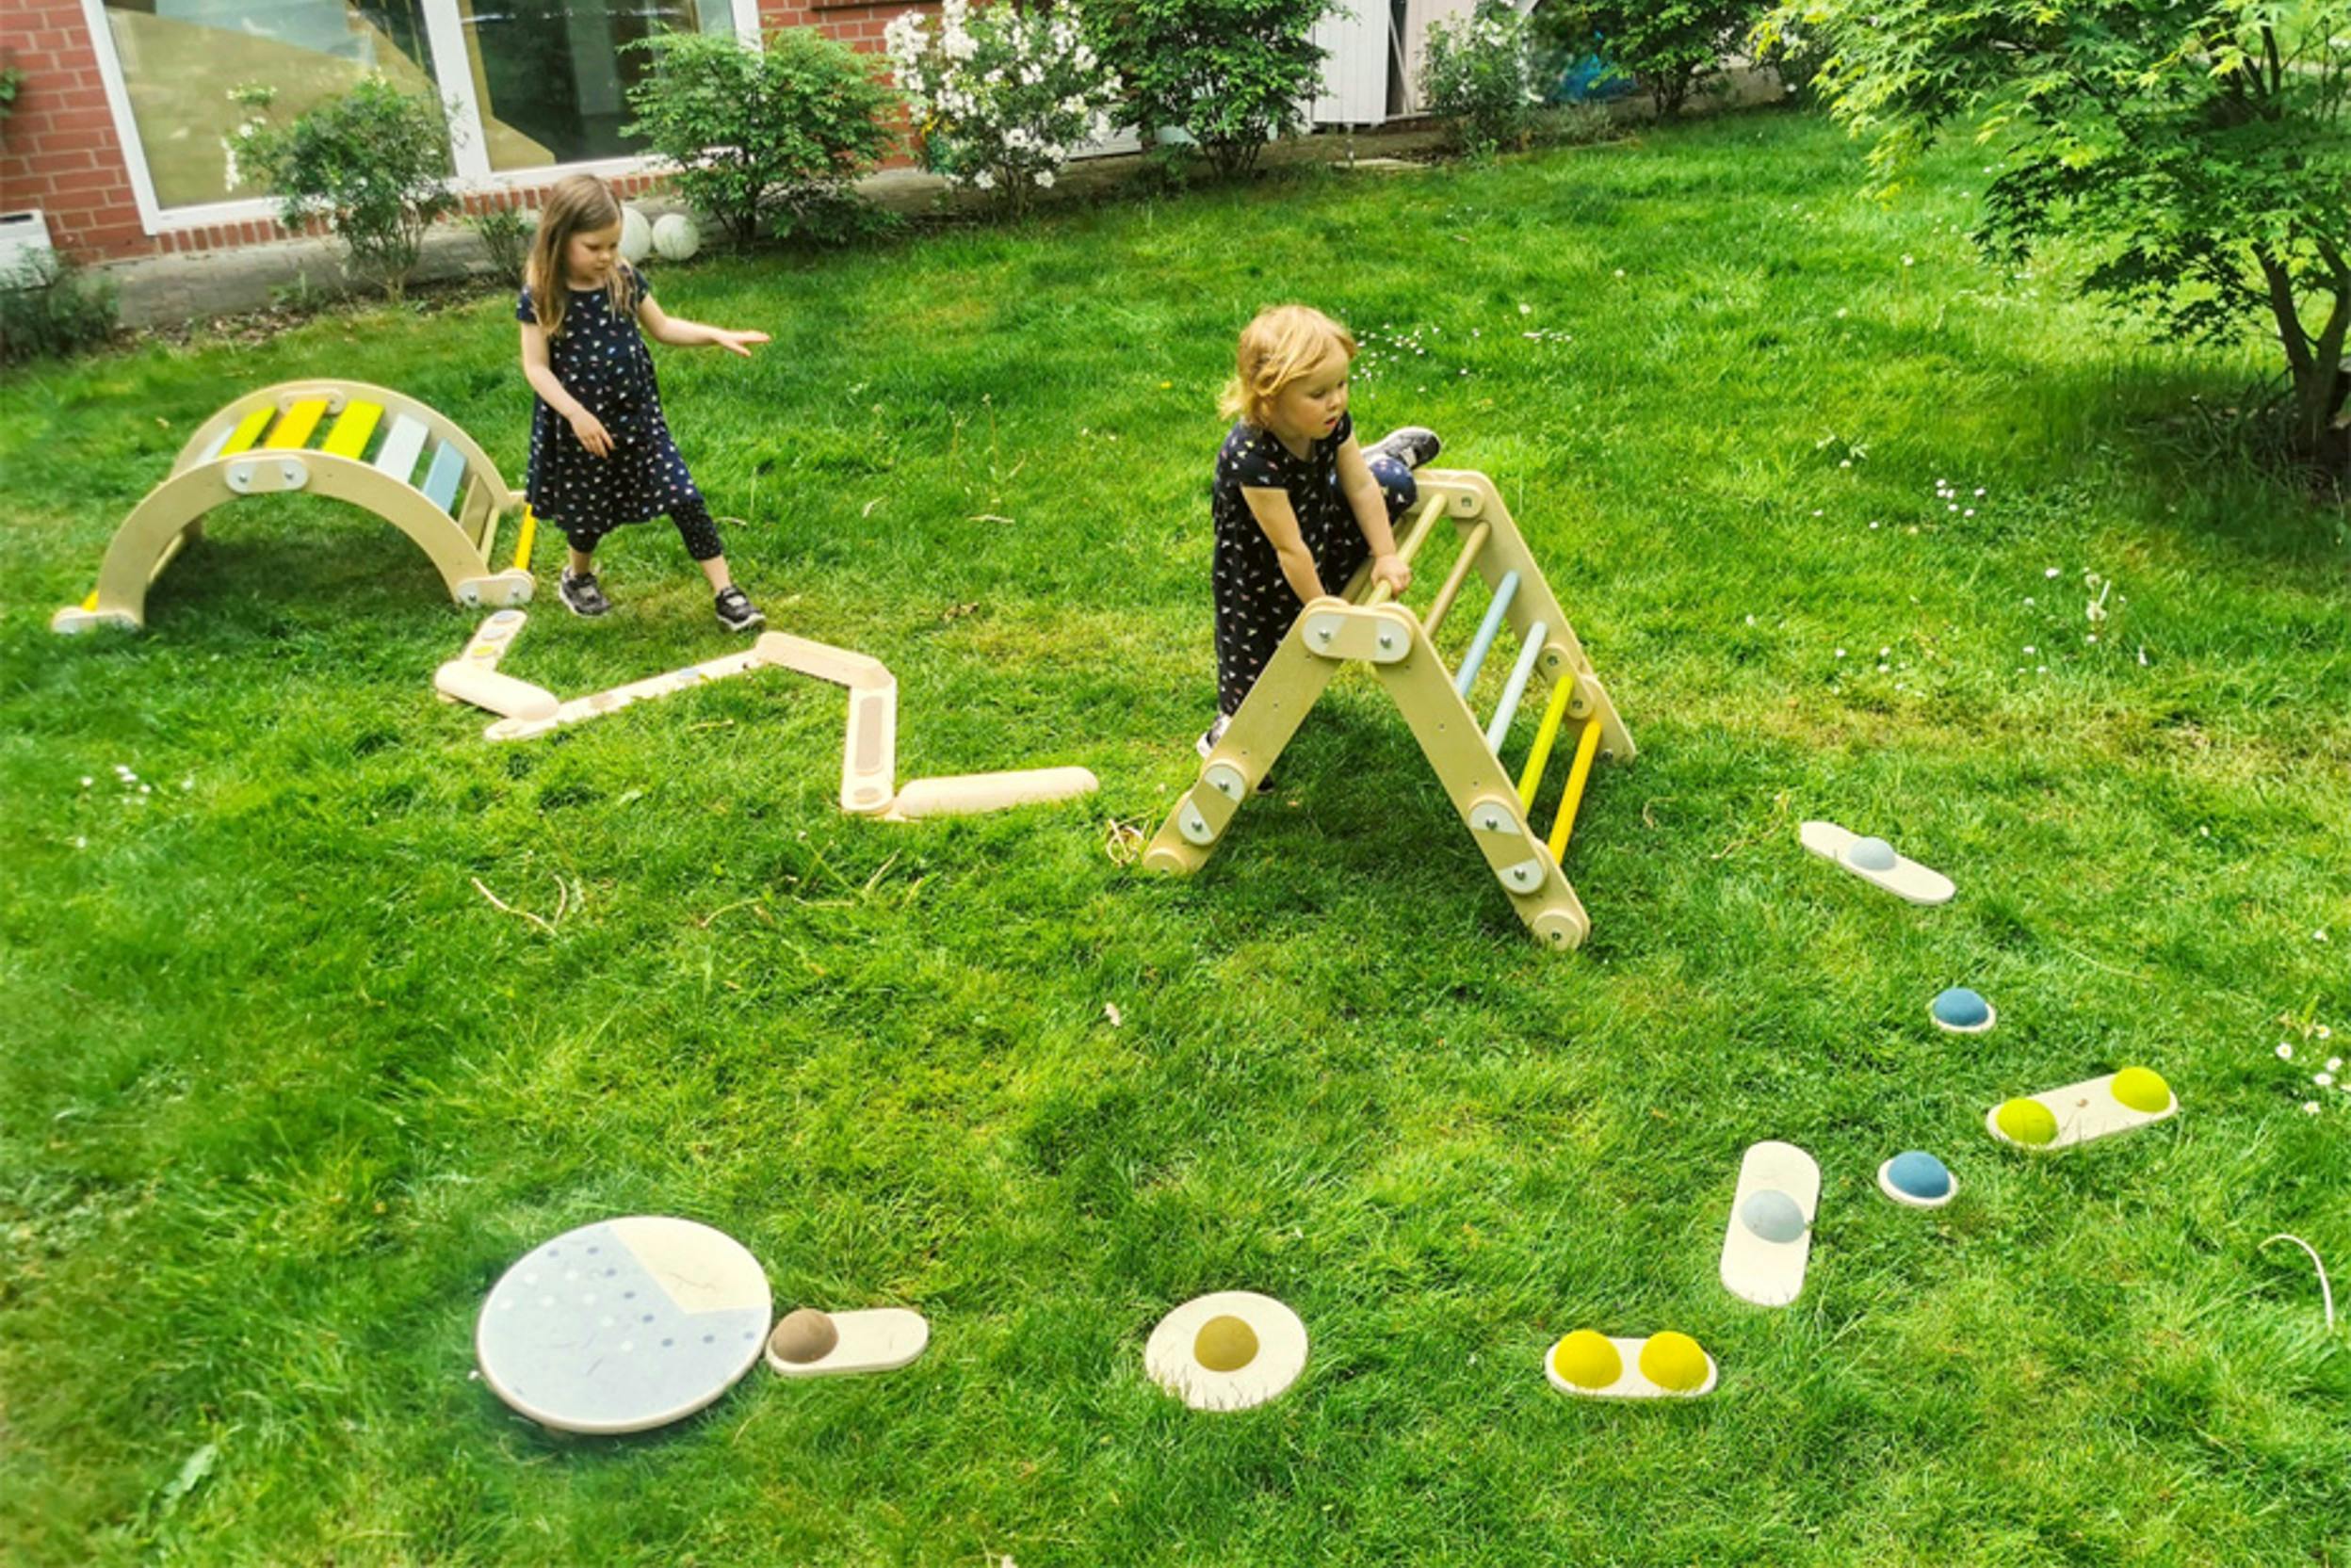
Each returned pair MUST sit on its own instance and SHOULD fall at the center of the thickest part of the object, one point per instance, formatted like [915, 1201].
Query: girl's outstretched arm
[1370, 509]
[664, 327]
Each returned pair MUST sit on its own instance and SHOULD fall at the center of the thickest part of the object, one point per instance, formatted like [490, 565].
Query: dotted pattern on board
[582, 1334]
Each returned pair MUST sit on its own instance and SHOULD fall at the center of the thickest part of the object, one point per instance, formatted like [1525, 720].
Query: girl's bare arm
[1272, 509]
[679, 333]
[540, 372]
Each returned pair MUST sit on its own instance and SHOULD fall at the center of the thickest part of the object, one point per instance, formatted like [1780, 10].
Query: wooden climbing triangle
[1367, 626]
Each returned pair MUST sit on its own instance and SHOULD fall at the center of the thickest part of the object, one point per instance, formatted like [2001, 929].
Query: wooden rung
[349, 437]
[1416, 534]
[448, 467]
[291, 433]
[524, 533]
[1515, 690]
[1471, 547]
[1587, 747]
[242, 438]
[1546, 736]
[402, 446]
[1483, 643]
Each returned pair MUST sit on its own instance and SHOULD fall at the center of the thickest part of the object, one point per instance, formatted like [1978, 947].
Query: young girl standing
[1298, 505]
[601, 455]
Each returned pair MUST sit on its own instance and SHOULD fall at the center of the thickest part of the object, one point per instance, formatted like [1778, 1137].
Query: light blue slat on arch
[448, 467]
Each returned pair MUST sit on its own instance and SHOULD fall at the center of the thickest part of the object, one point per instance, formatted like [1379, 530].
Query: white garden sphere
[676, 237]
[636, 236]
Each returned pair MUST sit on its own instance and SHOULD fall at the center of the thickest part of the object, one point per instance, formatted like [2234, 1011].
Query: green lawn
[283, 1093]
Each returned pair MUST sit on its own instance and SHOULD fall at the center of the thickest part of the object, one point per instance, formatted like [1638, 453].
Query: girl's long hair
[576, 203]
[1279, 346]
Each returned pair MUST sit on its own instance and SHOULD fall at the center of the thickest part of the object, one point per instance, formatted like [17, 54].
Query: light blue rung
[1479, 645]
[448, 466]
[1512, 693]
[402, 447]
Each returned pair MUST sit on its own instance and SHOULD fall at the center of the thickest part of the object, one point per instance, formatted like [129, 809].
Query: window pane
[552, 75]
[179, 59]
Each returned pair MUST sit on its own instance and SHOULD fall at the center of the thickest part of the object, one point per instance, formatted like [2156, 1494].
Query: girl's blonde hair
[1281, 346]
[577, 204]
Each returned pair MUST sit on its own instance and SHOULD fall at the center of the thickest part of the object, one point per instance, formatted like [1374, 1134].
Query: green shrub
[1668, 46]
[504, 233]
[1483, 74]
[374, 163]
[1231, 74]
[50, 307]
[778, 135]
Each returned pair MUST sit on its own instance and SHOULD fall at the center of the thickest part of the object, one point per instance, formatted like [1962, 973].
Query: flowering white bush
[1484, 73]
[1000, 96]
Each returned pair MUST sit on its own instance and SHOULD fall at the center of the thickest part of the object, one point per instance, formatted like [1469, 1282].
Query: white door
[1354, 66]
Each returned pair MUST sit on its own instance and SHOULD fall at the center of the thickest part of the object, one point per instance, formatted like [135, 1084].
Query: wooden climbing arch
[347, 441]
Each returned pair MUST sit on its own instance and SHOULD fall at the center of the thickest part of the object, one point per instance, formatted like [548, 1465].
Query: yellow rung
[1416, 534]
[1545, 735]
[247, 432]
[1587, 747]
[292, 432]
[1471, 546]
[528, 531]
[349, 437]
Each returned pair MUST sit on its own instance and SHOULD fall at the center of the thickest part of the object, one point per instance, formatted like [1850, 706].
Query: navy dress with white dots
[1255, 604]
[600, 357]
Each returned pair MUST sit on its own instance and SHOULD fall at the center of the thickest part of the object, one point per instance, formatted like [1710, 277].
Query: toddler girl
[600, 451]
[1298, 505]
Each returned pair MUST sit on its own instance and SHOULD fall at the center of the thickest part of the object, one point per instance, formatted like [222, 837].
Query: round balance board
[623, 1325]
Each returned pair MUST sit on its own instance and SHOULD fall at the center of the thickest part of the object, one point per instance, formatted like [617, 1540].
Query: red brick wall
[62, 153]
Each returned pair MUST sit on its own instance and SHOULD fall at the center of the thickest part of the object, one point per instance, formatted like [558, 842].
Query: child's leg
[577, 587]
[736, 613]
[1398, 488]
[700, 531]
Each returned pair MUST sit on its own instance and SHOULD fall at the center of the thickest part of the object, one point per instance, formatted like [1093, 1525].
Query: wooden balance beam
[869, 750]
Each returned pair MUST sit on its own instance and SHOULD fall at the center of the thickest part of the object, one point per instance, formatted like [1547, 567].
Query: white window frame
[445, 36]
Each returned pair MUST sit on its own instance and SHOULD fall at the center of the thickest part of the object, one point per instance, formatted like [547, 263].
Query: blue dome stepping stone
[1917, 1180]
[1961, 1011]
[623, 1325]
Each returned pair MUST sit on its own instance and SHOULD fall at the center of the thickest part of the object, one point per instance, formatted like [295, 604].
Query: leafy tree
[778, 134]
[374, 163]
[1232, 74]
[1669, 47]
[2198, 149]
